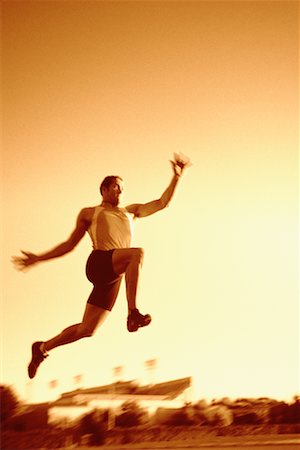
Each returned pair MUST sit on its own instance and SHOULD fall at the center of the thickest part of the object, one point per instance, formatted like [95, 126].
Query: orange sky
[98, 88]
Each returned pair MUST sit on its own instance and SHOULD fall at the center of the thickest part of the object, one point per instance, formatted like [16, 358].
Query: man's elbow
[69, 246]
[162, 203]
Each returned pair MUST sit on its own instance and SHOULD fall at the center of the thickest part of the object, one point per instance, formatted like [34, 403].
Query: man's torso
[109, 228]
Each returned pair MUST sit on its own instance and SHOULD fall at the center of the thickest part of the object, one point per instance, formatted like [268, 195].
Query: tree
[8, 402]
[183, 416]
[92, 424]
[132, 415]
[285, 413]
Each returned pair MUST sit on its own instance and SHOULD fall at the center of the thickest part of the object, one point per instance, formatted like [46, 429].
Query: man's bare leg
[92, 318]
[129, 261]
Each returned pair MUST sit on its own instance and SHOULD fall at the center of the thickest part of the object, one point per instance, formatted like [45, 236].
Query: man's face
[113, 193]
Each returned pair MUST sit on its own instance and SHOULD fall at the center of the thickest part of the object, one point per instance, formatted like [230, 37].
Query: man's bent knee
[123, 257]
[138, 254]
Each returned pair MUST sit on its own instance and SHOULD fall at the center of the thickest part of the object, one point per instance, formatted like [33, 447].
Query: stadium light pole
[117, 373]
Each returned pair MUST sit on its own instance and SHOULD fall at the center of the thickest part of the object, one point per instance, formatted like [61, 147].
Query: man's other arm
[67, 246]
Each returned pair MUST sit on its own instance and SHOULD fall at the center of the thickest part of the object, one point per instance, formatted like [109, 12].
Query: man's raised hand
[180, 163]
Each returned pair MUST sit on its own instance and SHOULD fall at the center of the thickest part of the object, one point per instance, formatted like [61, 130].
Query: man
[110, 229]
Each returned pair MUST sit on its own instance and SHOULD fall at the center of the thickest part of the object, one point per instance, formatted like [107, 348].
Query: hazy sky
[98, 88]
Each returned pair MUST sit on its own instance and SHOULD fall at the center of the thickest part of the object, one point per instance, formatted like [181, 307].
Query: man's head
[111, 189]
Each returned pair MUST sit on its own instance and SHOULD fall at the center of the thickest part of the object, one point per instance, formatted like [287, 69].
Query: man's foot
[135, 320]
[37, 357]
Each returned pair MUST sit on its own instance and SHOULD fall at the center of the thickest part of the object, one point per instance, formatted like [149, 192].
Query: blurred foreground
[221, 423]
[258, 442]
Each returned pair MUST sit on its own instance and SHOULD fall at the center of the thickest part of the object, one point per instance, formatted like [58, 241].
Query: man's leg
[129, 261]
[92, 318]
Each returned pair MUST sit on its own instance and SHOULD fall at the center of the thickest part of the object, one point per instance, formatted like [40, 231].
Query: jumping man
[109, 226]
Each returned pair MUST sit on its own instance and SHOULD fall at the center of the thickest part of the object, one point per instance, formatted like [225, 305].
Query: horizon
[193, 401]
[55, 391]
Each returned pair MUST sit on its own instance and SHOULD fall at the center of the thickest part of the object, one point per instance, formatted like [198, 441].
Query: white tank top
[110, 228]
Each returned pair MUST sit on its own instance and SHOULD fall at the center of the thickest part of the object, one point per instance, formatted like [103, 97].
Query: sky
[100, 88]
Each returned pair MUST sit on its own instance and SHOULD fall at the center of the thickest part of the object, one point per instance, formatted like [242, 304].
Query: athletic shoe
[37, 357]
[135, 320]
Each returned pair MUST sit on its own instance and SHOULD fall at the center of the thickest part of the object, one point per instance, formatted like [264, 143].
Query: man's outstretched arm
[146, 209]
[28, 259]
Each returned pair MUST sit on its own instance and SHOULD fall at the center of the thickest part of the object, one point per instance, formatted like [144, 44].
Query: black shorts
[99, 270]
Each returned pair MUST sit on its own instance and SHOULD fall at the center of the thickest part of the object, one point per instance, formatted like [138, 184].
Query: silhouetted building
[170, 394]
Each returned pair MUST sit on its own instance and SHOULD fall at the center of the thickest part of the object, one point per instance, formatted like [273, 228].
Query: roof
[168, 390]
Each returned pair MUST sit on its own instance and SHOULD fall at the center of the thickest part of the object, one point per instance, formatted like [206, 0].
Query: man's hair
[108, 181]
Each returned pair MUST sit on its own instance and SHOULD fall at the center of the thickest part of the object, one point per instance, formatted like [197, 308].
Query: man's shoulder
[132, 209]
[87, 213]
